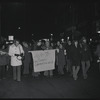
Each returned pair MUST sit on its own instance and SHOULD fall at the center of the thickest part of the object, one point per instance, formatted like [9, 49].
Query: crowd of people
[69, 56]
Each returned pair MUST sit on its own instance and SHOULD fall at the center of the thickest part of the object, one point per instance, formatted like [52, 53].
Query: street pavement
[55, 87]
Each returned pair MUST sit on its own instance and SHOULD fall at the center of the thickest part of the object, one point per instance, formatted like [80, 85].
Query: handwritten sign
[43, 60]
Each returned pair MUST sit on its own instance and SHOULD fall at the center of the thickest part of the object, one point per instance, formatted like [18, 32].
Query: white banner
[43, 60]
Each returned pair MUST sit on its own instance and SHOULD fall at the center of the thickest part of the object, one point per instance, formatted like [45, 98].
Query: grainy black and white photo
[49, 49]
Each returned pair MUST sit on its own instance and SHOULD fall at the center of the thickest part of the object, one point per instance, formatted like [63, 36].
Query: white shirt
[15, 50]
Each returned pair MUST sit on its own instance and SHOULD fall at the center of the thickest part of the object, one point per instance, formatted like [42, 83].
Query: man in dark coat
[68, 57]
[85, 57]
[75, 58]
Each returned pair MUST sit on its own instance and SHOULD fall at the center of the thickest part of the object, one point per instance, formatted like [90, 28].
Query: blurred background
[35, 19]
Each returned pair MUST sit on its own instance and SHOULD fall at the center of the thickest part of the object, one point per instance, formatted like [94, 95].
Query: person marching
[68, 57]
[48, 72]
[16, 52]
[75, 58]
[61, 59]
[27, 59]
[97, 53]
[38, 47]
[4, 61]
[85, 57]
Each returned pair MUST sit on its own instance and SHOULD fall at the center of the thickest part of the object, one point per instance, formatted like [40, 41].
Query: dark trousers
[69, 67]
[17, 73]
[85, 67]
[2, 71]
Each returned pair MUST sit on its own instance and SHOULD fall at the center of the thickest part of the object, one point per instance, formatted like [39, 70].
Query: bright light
[51, 34]
[19, 28]
[7, 42]
[98, 31]
[10, 38]
[62, 40]
[90, 39]
[68, 38]
[46, 39]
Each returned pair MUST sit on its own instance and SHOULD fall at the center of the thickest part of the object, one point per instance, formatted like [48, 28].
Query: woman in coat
[16, 51]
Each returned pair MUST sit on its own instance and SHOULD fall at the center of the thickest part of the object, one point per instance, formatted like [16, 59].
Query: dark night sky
[41, 17]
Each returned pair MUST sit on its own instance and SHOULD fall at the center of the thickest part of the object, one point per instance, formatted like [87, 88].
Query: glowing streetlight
[68, 38]
[19, 28]
[51, 34]
[90, 39]
[98, 31]
[51, 38]
[32, 34]
[62, 40]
